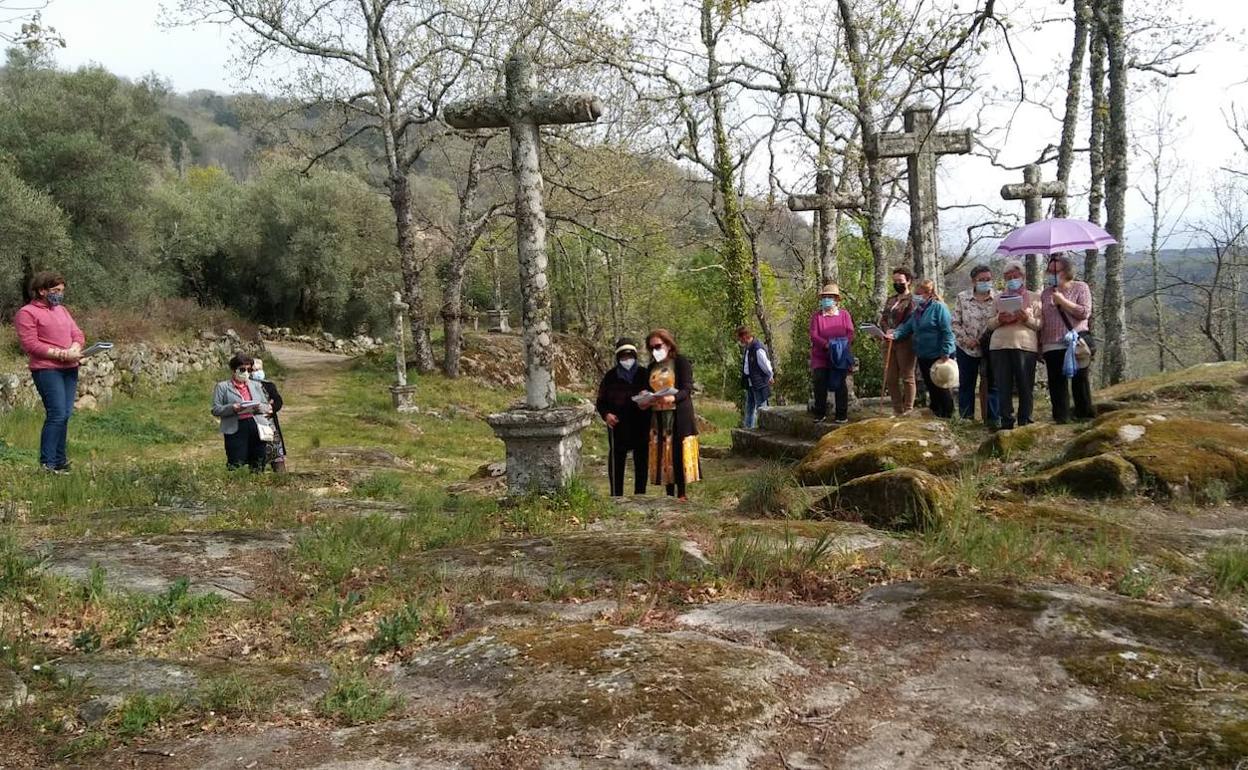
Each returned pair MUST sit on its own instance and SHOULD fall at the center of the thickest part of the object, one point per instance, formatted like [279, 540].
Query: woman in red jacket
[53, 344]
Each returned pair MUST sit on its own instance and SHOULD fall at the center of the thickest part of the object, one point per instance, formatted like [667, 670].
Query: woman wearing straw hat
[831, 334]
[1014, 345]
[628, 427]
[931, 326]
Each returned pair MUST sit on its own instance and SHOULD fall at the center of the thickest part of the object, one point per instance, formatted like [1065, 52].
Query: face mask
[258, 375]
[983, 287]
[1050, 279]
[922, 300]
[628, 363]
[1014, 284]
[241, 376]
[899, 287]
[827, 303]
[56, 299]
[659, 355]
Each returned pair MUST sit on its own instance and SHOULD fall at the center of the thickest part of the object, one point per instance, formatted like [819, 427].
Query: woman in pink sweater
[53, 344]
[830, 323]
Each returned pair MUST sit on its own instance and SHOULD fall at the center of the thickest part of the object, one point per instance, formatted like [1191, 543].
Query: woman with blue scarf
[931, 325]
[628, 427]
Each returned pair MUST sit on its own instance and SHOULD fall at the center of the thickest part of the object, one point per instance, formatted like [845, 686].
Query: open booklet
[250, 404]
[646, 395]
[1012, 304]
[98, 347]
[872, 330]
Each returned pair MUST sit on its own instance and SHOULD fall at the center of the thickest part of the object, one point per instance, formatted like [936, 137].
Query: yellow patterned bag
[689, 449]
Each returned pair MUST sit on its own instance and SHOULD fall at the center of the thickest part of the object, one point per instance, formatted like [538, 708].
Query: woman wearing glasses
[674, 456]
[243, 408]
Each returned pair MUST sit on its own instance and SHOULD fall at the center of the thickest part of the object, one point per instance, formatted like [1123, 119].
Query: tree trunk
[736, 248]
[1096, 137]
[467, 230]
[872, 186]
[1154, 247]
[412, 267]
[1117, 147]
[1070, 119]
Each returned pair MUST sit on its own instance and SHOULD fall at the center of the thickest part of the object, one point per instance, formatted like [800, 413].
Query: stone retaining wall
[130, 366]
[324, 341]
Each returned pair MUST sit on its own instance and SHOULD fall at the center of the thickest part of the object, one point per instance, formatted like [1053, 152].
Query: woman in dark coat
[276, 454]
[628, 427]
[674, 453]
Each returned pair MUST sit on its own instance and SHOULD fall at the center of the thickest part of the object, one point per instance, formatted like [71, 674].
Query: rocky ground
[912, 594]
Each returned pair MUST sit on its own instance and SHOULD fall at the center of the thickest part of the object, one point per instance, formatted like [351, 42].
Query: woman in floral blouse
[972, 311]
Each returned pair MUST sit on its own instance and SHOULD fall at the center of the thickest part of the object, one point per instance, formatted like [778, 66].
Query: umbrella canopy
[1050, 236]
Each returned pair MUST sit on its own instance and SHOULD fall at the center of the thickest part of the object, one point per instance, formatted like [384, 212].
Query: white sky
[125, 36]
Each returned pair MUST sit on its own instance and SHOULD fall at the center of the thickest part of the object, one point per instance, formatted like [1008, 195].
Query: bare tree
[382, 69]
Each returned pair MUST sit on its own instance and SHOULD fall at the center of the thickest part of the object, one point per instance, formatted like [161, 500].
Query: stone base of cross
[498, 321]
[403, 398]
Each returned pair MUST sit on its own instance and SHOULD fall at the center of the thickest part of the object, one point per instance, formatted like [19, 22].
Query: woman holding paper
[243, 408]
[1067, 308]
[1013, 347]
[674, 457]
[831, 334]
[931, 326]
[53, 346]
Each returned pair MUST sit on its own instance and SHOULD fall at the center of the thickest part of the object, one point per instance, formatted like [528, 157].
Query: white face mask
[258, 375]
[659, 355]
[628, 363]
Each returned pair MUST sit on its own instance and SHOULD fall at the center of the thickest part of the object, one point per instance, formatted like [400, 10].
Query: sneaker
[842, 420]
[54, 470]
[64, 466]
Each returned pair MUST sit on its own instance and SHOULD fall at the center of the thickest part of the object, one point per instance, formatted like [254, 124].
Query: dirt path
[310, 375]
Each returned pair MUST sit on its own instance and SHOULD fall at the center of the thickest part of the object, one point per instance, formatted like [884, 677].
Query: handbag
[1085, 348]
[267, 434]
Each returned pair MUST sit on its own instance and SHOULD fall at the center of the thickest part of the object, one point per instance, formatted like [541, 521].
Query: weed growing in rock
[1229, 566]
[385, 485]
[354, 700]
[233, 695]
[19, 570]
[141, 712]
[167, 610]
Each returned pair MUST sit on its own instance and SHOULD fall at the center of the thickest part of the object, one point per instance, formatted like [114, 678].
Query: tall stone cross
[919, 145]
[1033, 192]
[400, 393]
[826, 202]
[522, 109]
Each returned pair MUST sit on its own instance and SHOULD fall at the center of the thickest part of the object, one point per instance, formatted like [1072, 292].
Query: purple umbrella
[1050, 236]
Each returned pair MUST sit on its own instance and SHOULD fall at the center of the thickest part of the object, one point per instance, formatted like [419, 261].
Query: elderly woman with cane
[628, 427]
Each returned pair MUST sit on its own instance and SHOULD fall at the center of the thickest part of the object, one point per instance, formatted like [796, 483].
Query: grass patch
[142, 712]
[233, 695]
[1229, 568]
[167, 610]
[353, 699]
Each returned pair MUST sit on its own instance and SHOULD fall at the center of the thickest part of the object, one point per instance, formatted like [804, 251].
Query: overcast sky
[126, 37]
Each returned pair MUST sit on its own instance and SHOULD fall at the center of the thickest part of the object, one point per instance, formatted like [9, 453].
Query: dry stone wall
[130, 366]
[325, 342]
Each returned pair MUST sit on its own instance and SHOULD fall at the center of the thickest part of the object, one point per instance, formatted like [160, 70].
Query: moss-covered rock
[1006, 443]
[1193, 384]
[1106, 475]
[881, 444]
[900, 500]
[1176, 456]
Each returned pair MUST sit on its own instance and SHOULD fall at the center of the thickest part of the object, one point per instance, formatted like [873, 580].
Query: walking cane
[888, 356]
[611, 462]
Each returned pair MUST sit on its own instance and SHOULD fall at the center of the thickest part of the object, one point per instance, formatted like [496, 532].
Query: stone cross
[523, 110]
[400, 393]
[919, 145]
[825, 202]
[1033, 192]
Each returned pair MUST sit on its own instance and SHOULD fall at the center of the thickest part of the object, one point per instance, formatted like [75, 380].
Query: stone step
[793, 421]
[761, 443]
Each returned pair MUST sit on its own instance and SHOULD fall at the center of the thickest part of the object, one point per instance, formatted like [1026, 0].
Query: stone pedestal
[402, 396]
[543, 445]
[498, 321]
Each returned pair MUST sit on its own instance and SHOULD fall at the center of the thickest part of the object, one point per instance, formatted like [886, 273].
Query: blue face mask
[56, 299]
[1014, 284]
[1050, 279]
[983, 287]
[827, 303]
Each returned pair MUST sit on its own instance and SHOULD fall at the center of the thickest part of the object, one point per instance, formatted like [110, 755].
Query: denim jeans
[969, 370]
[58, 388]
[755, 399]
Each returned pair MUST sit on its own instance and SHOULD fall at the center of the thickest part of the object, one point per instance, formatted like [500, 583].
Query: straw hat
[945, 374]
[830, 290]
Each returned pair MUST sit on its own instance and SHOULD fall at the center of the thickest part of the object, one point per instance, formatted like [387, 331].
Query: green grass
[1229, 567]
[142, 712]
[353, 699]
[235, 695]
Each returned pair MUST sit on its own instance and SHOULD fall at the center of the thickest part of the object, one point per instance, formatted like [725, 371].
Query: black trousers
[620, 442]
[939, 399]
[244, 447]
[1061, 388]
[819, 381]
[1014, 372]
[678, 469]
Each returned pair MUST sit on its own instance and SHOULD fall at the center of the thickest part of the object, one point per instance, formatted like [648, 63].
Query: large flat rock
[225, 563]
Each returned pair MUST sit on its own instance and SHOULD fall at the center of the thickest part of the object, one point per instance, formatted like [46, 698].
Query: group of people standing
[649, 414]
[996, 338]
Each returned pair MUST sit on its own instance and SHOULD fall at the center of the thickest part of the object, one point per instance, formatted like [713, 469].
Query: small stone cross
[1033, 192]
[825, 202]
[523, 110]
[919, 145]
[398, 309]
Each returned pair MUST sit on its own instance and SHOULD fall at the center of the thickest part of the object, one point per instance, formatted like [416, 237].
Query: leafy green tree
[33, 236]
